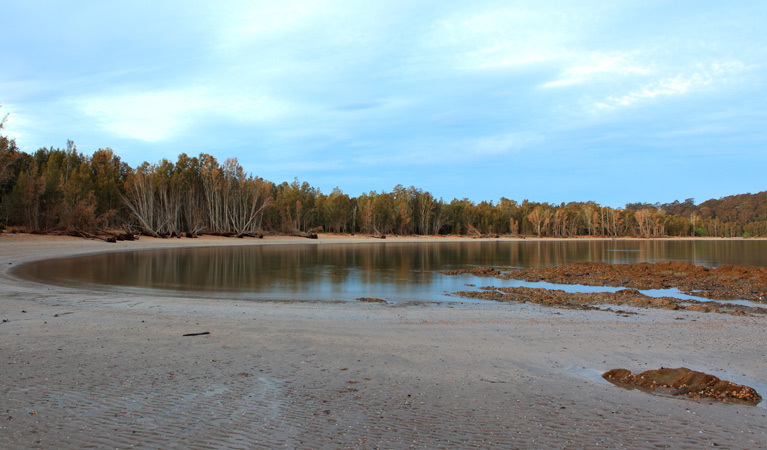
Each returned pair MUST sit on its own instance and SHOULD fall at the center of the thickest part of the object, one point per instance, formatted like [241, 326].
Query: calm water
[393, 271]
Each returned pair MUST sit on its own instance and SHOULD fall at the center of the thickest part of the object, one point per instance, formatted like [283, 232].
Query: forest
[65, 191]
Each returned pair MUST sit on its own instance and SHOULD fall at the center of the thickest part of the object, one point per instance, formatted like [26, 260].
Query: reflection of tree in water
[334, 267]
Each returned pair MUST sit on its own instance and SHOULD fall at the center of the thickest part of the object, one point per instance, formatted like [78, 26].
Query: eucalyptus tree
[246, 198]
[139, 197]
[214, 195]
[8, 155]
[540, 217]
[187, 181]
[109, 174]
[338, 209]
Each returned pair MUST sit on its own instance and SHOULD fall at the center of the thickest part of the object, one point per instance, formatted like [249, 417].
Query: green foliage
[701, 232]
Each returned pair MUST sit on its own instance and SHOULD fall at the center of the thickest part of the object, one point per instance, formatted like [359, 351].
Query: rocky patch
[590, 300]
[721, 283]
[480, 271]
[686, 382]
[371, 300]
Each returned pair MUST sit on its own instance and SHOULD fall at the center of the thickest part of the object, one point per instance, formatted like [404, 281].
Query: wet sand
[81, 368]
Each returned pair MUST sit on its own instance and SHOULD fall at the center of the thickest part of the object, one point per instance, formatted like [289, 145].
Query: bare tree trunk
[139, 199]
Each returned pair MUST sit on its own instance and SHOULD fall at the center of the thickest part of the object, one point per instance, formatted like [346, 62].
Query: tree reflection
[346, 271]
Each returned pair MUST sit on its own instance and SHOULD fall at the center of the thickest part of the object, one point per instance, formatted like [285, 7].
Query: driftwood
[304, 234]
[114, 237]
[250, 235]
[100, 234]
[475, 233]
[218, 233]
[198, 334]
[87, 235]
[172, 234]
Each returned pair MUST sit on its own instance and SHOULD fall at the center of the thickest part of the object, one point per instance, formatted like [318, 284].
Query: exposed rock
[480, 271]
[372, 300]
[683, 381]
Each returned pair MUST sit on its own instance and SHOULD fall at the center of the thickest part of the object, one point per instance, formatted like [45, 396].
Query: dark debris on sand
[686, 382]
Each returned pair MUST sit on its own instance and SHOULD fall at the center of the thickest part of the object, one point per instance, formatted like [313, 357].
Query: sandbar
[81, 368]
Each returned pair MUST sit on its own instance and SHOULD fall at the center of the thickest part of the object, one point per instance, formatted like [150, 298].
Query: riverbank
[80, 369]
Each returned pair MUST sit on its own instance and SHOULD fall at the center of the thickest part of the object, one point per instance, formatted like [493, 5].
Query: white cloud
[16, 122]
[596, 66]
[151, 117]
[162, 115]
[697, 79]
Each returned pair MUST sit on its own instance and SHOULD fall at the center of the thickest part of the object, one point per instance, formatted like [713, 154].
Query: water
[396, 272]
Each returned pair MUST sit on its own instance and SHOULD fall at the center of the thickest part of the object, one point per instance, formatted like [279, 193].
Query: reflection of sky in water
[393, 271]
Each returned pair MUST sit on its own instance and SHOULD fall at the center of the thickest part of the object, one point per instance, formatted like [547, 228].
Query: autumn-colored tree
[8, 154]
[540, 218]
[337, 210]
[139, 197]
[64, 190]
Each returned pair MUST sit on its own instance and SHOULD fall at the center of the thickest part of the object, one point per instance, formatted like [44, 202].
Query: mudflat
[86, 368]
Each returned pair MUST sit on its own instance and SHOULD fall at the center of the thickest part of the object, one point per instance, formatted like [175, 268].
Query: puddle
[588, 373]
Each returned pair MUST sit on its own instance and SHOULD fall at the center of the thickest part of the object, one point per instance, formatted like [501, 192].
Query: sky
[550, 101]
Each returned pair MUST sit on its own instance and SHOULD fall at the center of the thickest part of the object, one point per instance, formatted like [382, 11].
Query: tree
[109, 176]
[139, 197]
[540, 217]
[246, 198]
[337, 208]
[8, 153]
[26, 197]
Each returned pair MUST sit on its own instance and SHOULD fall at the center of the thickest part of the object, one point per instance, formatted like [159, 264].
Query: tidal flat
[82, 367]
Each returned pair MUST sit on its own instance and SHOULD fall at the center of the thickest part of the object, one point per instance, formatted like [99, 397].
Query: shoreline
[152, 243]
[81, 368]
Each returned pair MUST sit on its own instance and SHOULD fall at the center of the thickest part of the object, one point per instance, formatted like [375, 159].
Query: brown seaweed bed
[590, 300]
[683, 381]
[722, 283]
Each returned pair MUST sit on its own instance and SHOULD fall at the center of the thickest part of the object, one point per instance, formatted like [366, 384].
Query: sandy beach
[83, 369]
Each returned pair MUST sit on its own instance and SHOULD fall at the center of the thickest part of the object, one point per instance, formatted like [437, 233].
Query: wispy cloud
[697, 80]
[163, 115]
[391, 89]
[150, 117]
[598, 66]
[16, 122]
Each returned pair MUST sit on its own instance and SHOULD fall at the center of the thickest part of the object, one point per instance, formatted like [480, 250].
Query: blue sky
[557, 101]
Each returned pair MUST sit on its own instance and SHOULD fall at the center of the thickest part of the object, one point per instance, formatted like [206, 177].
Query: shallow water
[396, 272]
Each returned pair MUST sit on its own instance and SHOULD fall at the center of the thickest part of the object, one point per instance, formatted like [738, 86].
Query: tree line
[63, 190]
